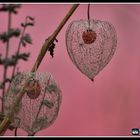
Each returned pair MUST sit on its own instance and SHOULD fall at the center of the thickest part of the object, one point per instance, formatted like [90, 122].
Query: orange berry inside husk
[33, 89]
[89, 36]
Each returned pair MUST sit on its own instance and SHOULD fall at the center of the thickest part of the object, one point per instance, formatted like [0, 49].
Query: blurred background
[109, 106]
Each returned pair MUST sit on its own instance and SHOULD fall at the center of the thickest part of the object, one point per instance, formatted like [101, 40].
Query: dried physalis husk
[40, 104]
[91, 45]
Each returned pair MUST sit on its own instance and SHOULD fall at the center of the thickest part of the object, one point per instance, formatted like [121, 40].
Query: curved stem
[52, 38]
[18, 51]
[9, 27]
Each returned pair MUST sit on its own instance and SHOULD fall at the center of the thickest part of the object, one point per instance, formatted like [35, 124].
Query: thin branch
[18, 48]
[6, 56]
[88, 12]
[52, 38]
[9, 27]
[18, 51]
[7, 119]
[88, 15]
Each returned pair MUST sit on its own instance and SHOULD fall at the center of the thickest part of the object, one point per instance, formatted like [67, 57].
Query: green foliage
[30, 21]
[11, 60]
[26, 39]
[10, 8]
[22, 56]
[5, 36]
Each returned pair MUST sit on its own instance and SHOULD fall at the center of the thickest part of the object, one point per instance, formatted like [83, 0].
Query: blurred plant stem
[11, 60]
[18, 50]
[6, 56]
[17, 53]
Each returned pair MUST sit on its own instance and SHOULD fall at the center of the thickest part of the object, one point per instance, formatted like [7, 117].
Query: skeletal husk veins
[91, 45]
[40, 104]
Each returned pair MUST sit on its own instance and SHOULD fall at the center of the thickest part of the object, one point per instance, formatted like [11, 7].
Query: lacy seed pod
[91, 48]
[40, 104]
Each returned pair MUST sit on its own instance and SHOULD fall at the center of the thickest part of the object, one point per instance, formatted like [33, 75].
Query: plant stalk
[6, 56]
[52, 38]
[18, 51]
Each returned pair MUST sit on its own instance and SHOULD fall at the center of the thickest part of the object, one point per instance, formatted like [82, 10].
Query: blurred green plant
[12, 61]
[24, 38]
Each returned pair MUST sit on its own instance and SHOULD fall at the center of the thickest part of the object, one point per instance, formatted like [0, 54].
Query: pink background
[110, 105]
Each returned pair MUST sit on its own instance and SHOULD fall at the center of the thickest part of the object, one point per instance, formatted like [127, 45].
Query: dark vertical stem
[9, 27]
[47, 43]
[6, 56]
[16, 128]
[88, 15]
[16, 131]
[18, 51]
[3, 92]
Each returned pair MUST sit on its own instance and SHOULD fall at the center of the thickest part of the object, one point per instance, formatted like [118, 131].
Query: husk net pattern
[31, 114]
[90, 59]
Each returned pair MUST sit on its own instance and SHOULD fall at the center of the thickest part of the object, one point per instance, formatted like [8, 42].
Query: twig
[18, 51]
[6, 56]
[7, 119]
[14, 67]
[88, 15]
[52, 37]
